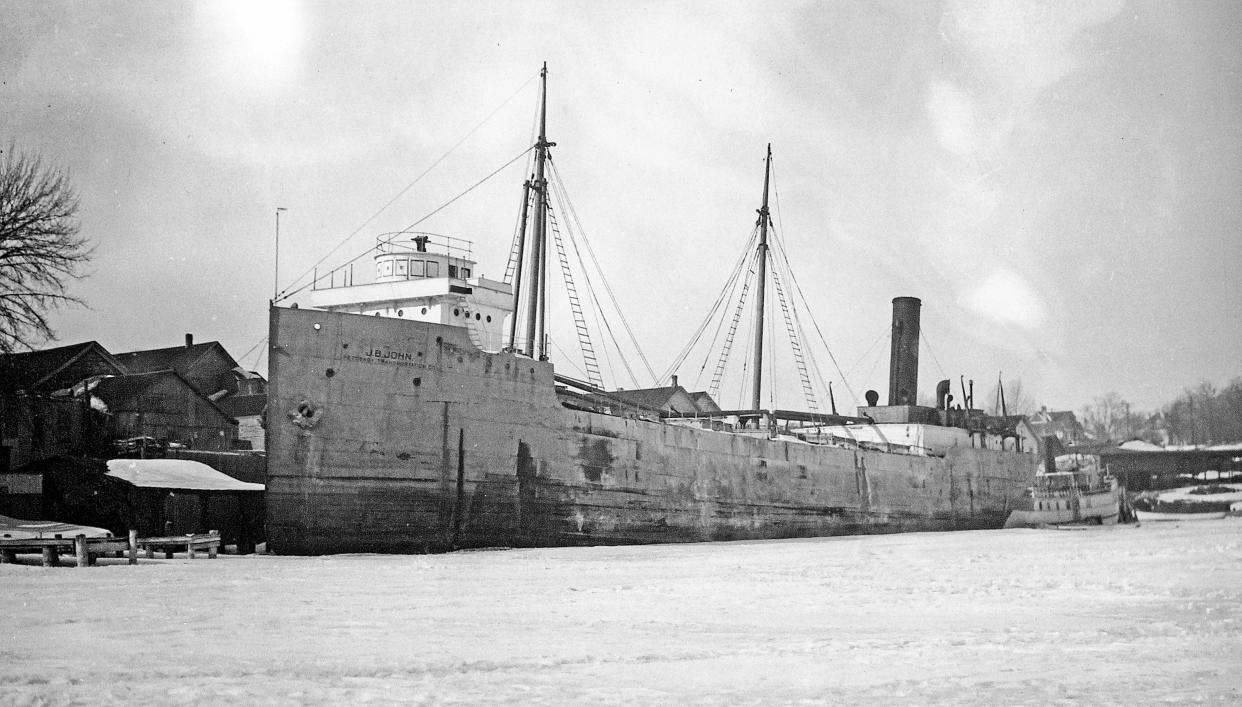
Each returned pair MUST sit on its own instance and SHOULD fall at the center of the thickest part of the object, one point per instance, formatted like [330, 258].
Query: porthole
[329, 373]
[456, 312]
[489, 319]
[418, 382]
[400, 312]
[477, 317]
[424, 310]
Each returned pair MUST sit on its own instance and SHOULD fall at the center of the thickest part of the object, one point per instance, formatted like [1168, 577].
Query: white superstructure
[430, 278]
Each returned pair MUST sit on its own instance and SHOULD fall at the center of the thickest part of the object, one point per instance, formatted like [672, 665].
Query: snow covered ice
[1121, 615]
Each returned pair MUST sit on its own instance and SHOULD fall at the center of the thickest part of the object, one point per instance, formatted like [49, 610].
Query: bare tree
[40, 249]
[1110, 419]
[1017, 400]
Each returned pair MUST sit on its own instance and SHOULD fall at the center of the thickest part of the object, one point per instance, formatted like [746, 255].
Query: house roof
[30, 370]
[655, 398]
[111, 387]
[175, 358]
[175, 474]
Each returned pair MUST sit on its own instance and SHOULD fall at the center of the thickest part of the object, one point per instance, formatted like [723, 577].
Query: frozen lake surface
[1122, 615]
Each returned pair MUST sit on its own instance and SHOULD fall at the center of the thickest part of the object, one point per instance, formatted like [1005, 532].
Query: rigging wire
[923, 335]
[798, 288]
[258, 357]
[558, 191]
[285, 294]
[721, 298]
[732, 285]
[281, 295]
[727, 347]
[573, 214]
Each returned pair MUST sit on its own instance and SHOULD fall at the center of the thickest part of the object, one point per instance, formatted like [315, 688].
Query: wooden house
[207, 367]
[166, 406]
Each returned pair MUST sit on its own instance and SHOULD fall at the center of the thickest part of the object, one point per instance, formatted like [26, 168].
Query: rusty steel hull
[397, 436]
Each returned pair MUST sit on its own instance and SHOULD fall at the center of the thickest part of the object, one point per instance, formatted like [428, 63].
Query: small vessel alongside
[1203, 502]
[1074, 489]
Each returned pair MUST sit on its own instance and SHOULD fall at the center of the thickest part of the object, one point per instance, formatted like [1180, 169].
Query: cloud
[952, 113]
[257, 46]
[1005, 297]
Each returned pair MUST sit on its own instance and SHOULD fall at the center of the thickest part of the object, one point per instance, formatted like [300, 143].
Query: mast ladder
[515, 251]
[714, 388]
[584, 336]
[796, 344]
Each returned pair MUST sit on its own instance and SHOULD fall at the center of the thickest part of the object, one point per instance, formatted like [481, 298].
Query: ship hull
[401, 436]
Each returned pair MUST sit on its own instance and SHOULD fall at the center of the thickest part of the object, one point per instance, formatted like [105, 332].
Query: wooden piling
[212, 549]
[189, 545]
[79, 546]
[133, 547]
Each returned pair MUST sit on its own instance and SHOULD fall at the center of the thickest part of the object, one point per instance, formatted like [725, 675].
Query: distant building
[164, 405]
[70, 399]
[247, 407]
[672, 399]
[1062, 424]
[50, 370]
[207, 367]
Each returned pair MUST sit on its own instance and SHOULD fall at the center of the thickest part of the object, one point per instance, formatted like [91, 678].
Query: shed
[178, 496]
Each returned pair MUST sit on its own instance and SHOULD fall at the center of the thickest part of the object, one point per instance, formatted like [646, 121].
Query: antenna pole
[762, 255]
[276, 267]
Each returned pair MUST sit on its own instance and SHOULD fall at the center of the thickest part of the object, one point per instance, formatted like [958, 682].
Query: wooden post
[150, 552]
[133, 546]
[49, 556]
[79, 547]
[189, 545]
[7, 556]
[211, 549]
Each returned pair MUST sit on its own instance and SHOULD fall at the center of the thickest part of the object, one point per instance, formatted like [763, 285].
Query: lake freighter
[406, 415]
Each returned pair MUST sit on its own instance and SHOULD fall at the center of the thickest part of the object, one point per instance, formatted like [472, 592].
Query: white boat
[1203, 502]
[1159, 516]
[1079, 491]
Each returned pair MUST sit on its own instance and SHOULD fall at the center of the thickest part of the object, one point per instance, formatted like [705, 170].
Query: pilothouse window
[452, 271]
[433, 268]
[402, 266]
[417, 268]
[465, 273]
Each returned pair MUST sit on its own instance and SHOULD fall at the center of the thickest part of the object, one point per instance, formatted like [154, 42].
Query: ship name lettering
[390, 355]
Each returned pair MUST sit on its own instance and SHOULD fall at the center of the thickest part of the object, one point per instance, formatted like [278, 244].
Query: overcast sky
[1058, 182]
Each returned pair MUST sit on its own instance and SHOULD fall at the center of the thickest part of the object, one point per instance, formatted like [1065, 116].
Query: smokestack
[903, 365]
[189, 341]
[674, 381]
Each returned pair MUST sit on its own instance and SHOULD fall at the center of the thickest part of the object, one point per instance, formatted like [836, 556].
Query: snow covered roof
[175, 474]
[1139, 445]
[18, 529]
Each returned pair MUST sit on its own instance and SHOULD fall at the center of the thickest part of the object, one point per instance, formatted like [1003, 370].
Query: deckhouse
[426, 277]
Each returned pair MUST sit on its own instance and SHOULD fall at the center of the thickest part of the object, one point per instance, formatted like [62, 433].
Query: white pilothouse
[426, 277]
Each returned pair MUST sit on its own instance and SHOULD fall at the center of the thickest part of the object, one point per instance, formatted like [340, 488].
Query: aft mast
[763, 262]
